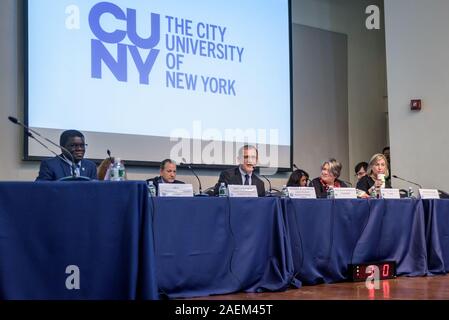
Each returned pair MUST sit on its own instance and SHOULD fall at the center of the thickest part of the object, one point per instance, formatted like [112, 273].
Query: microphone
[29, 132]
[109, 154]
[295, 167]
[200, 188]
[399, 178]
[270, 190]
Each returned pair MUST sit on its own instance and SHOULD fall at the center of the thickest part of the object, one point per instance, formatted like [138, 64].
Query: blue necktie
[78, 169]
[246, 179]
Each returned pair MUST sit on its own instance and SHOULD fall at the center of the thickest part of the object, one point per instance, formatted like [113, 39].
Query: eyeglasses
[360, 174]
[77, 146]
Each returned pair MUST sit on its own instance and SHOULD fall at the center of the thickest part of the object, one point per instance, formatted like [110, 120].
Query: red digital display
[376, 270]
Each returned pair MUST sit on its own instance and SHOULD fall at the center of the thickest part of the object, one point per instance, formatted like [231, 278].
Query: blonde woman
[375, 177]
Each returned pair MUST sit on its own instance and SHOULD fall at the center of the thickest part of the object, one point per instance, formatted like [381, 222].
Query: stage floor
[401, 288]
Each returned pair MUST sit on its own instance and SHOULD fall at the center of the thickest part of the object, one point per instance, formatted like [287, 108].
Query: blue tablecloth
[437, 235]
[210, 246]
[327, 235]
[101, 228]
[129, 247]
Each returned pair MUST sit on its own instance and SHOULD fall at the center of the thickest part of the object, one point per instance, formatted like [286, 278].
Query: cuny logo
[119, 65]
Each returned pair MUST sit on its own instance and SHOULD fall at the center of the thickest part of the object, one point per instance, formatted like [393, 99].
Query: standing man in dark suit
[167, 174]
[244, 173]
[60, 167]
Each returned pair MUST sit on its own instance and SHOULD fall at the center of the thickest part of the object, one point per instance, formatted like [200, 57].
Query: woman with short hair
[330, 171]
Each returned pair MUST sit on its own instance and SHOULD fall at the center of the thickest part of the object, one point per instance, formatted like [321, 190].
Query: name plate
[236, 190]
[390, 193]
[345, 193]
[429, 194]
[175, 190]
[301, 192]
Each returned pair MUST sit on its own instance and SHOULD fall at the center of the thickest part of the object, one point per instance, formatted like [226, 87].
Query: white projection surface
[156, 79]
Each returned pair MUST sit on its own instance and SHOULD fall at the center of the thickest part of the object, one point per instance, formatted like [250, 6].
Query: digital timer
[375, 270]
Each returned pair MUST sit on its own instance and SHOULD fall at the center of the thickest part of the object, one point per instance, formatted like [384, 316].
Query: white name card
[301, 192]
[175, 190]
[390, 193]
[345, 193]
[236, 190]
[429, 194]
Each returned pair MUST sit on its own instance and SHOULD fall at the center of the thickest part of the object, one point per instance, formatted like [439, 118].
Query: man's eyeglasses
[77, 146]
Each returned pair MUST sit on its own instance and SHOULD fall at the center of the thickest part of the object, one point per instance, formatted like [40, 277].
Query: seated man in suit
[244, 173]
[62, 166]
[167, 174]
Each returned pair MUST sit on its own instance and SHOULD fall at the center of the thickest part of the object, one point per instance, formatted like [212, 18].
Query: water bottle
[118, 170]
[410, 192]
[222, 191]
[330, 193]
[284, 191]
[373, 193]
[151, 189]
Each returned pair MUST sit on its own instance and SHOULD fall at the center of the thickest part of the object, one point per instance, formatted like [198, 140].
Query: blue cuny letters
[119, 65]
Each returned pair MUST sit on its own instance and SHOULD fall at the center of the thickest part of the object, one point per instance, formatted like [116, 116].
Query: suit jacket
[233, 176]
[158, 179]
[55, 168]
[366, 182]
[319, 188]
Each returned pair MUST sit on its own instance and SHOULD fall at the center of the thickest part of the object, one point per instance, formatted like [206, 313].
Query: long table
[106, 240]
[72, 240]
[210, 246]
[328, 235]
[436, 213]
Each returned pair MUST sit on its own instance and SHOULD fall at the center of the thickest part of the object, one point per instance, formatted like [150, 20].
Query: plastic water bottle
[284, 191]
[118, 170]
[330, 193]
[222, 191]
[151, 189]
[410, 192]
[373, 193]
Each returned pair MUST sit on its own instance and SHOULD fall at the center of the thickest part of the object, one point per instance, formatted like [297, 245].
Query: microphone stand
[416, 184]
[268, 193]
[443, 194]
[29, 134]
[200, 188]
[72, 165]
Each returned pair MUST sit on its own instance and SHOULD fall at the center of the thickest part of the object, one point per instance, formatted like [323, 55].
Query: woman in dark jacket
[330, 171]
[376, 175]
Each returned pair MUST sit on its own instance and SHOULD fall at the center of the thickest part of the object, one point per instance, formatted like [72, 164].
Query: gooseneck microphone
[269, 193]
[295, 167]
[29, 132]
[399, 178]
[200, 188]
[109, 154]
